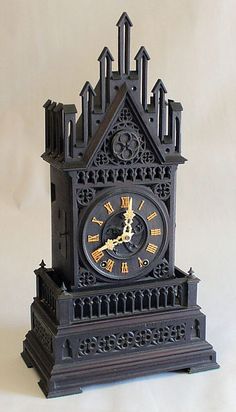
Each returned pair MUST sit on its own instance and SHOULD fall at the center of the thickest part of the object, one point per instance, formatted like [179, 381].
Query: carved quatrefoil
[125, 145]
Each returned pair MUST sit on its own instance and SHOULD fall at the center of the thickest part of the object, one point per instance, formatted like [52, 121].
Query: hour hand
[111, 243]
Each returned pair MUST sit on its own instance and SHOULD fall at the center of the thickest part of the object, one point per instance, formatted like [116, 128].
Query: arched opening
[70, 138]
[177, 134]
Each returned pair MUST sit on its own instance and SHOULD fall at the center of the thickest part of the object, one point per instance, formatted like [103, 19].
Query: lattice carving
[133, 339]
[42, 334]
[130, 302]
[85, 196]
[86, 278]
[162, 190]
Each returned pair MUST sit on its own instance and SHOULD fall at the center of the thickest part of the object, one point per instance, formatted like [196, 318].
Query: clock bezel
[104, 195]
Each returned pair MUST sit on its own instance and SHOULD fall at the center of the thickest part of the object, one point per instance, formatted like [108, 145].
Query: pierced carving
[147, 157]
[139, 174]
[125, 115]
[88, 346]
[125, 142]
[130, 302]
[42, 334]
[84, 196]
[125, 145]
[162, 190]
[101, 159]
[161, 271]
[86, 278]
[133, 339]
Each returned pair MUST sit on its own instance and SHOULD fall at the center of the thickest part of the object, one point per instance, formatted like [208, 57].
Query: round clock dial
[124, 234]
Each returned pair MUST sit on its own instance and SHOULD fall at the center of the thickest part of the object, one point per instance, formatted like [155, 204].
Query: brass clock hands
[127, 234]
[111, 243]
[129, 216]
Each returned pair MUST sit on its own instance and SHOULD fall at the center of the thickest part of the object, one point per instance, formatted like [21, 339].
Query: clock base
[69, 379]
[70, 354]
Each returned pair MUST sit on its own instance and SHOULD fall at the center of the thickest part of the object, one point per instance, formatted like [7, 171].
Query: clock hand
[111, 243]
[129, 215]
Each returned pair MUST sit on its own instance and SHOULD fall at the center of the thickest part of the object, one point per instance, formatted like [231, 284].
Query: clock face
[124, 233]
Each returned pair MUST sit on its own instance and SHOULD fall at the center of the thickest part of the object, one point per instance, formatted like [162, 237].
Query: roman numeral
[124, 202]
[99, 222]
[140, 262]
[151, 248]
[155, 232]
[151, 216]
[97, 255]
[141, 205]
[124, 267]
[109, 265]
[109, 208]
[93, 238]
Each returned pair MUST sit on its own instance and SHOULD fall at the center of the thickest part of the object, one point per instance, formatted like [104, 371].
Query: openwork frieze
[132, 339]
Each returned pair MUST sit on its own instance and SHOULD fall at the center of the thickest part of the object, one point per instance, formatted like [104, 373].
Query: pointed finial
[87, 88]
[42, 264]
[124, 18]
[191, 273]
[159, 85]
[142, 53]
[63, 287]
[105, 53]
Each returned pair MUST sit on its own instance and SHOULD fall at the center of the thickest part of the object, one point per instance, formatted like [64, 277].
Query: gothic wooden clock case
[114, 305]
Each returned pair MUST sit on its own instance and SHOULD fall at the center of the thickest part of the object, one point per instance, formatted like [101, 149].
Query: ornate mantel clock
[114, 305]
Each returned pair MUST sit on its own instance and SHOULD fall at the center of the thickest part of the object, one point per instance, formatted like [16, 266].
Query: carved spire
[87, 94]
[105, 60]
[159, 92]
[142, 58]
[124, 24]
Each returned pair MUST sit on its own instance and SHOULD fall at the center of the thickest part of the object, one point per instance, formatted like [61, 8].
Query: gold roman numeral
[124, 267]
[109, 208]
[93, 238]
[151, 248]
[140, 262]
[141, 205]
[151, 216]
[97, 255]
[109, 265]
[99, 222]
[124, 202]
[155, 232]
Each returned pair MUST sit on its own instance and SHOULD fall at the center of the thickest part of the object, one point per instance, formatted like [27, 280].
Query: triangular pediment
[123, 138]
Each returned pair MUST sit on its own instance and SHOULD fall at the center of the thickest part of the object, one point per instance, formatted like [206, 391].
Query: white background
[49, 48]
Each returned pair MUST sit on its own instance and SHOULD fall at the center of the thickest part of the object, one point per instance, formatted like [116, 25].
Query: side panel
[62, 224]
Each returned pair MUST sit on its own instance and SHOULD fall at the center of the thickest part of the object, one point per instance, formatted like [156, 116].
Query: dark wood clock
[114, 305]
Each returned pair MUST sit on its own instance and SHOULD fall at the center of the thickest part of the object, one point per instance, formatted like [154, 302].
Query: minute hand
[129, 215]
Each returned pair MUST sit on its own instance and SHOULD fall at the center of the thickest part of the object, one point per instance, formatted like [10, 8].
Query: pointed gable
[123, 137]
